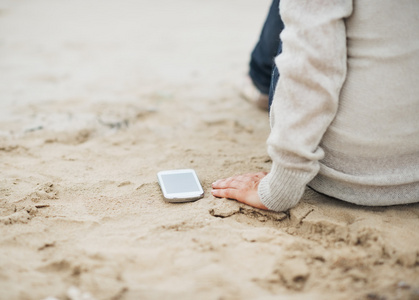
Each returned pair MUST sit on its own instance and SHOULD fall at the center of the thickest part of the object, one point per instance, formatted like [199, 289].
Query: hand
[243, 188]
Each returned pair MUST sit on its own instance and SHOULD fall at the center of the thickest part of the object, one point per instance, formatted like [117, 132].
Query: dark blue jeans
[263, 71]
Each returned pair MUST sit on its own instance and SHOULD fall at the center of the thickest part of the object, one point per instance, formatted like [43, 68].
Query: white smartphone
[180, 185]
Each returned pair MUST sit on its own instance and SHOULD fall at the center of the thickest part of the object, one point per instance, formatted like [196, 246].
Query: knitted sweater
[345, 115]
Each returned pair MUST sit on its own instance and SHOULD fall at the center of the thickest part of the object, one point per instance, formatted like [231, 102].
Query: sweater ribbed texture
[289, 192]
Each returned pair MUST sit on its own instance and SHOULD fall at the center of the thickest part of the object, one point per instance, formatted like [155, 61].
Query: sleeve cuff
[282, 189]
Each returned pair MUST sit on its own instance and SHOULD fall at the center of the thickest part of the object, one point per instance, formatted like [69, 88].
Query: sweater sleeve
[312, 68]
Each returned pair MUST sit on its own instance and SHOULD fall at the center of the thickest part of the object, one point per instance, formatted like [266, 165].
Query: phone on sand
[180, 185]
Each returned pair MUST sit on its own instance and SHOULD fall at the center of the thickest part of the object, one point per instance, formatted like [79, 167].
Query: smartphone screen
[180, 185]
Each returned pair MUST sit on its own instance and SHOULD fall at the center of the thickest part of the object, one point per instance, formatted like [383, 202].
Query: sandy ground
[96, 97]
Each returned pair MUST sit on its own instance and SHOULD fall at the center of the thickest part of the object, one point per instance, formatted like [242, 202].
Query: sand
[96, 97]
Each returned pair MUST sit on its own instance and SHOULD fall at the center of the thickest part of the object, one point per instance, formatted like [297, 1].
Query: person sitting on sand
[344, 118]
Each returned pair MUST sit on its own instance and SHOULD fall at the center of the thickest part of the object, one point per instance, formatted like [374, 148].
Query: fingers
[231, 182]
[243, 188]
[237, 187]
[226, 193]
[231, 187]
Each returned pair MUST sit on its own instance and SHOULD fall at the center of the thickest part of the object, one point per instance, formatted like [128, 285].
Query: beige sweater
[345, 116]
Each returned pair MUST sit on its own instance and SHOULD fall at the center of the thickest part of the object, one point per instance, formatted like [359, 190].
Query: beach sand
[96, 97]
